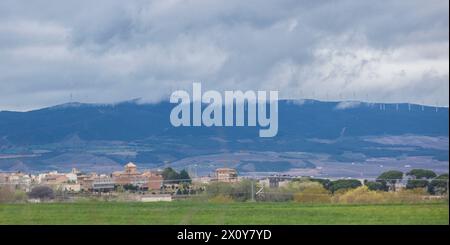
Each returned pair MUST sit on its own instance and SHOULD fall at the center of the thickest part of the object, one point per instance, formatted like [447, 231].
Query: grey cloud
[393, 51]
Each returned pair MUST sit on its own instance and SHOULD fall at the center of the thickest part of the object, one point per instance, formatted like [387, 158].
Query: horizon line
[141, 101]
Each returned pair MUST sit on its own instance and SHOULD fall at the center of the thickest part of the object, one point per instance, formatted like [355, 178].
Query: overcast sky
[110, 51]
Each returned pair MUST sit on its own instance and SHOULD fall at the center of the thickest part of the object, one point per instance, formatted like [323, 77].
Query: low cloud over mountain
[108, 51]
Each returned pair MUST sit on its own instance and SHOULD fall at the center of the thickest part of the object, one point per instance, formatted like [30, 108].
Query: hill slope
[311, 134]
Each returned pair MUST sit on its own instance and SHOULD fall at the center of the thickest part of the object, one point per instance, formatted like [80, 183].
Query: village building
[202, 180]
[275, 181]
[71, 187]
[85, 181]
[155, 180]
[226, 175]
[18, 180]
[71, 177]
[102, 183]
[130, 176]
[53, 179]
[3, 178]
[147, 180]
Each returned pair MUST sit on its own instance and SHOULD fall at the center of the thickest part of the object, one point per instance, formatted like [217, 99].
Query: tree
[376, 186]
[344, 184]
[172, 176]
[41, 192]
[421, 174]
[169, 174]
[416, 183]
[391, 178]
[184, 176]
[325, 182]
[439, 185]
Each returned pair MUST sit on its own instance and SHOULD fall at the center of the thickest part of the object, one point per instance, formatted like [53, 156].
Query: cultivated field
[190, 212]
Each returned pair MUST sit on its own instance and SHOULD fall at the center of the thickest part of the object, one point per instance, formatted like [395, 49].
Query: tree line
[387, 181]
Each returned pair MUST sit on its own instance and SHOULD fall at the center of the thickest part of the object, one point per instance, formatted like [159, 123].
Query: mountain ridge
[314, 138]
[108, 121]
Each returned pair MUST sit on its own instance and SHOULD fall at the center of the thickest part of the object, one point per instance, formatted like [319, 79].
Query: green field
[188, 212]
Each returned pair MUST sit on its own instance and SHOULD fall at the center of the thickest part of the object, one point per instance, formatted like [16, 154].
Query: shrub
[360, 195]
[363, 195]
[42, 192]
[20, 196]
[286, 193]
[130, 187]
[217, 188]
[240, 191]
[221, 199]
[312, 192]
[6, 194]
[325, 182]
[409, 196]
[344, 184]
[276, 195]
[9, 194]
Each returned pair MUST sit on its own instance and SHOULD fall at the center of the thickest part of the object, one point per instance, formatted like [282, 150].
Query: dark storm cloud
[109, 51]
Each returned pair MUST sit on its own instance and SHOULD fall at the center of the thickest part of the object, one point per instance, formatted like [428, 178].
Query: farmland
[196, 212]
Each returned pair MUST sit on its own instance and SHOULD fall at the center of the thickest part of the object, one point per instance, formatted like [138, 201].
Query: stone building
[226, 175]
[147, 180]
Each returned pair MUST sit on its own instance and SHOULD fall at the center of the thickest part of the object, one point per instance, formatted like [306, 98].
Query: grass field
[188, 212]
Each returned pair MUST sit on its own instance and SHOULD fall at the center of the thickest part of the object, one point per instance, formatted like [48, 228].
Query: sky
[54, 52]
